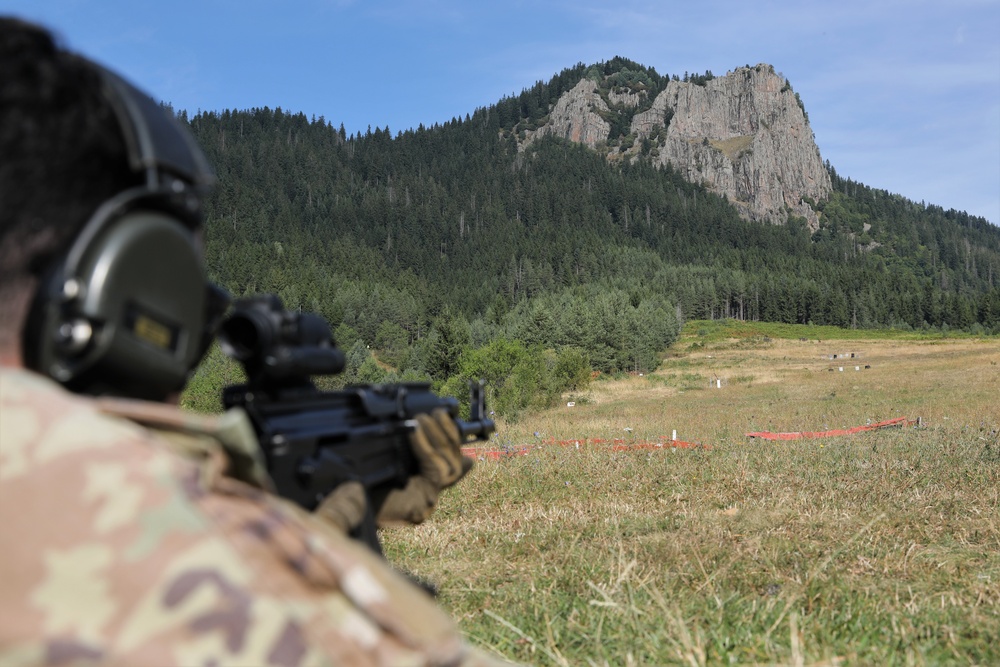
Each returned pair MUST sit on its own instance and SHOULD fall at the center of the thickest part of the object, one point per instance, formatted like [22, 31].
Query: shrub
[520, 377]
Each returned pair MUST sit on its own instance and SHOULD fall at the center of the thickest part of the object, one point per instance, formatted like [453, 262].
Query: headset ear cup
[139, 295]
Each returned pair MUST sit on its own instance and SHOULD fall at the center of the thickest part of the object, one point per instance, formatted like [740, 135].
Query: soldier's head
[101, 280]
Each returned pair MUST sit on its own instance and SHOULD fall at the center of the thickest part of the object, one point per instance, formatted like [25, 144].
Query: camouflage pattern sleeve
[116, 550]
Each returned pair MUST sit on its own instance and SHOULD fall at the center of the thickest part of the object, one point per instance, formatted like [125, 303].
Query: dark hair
[61, 147]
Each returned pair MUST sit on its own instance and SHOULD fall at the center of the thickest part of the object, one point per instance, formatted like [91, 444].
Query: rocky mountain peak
[744, 135]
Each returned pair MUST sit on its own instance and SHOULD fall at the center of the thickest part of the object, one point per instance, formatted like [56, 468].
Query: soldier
[134, 533]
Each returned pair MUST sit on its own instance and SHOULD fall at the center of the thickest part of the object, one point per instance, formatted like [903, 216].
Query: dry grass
[734, 146]
[877, 548]
[783, 385]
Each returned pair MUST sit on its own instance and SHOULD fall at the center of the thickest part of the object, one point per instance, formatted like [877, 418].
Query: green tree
[450, 335]
[203, 392]
[572, 371]
[391, 340]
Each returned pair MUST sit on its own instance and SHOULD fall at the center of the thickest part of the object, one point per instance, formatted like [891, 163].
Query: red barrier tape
[767, 435]
[665, 443]
[615, 445]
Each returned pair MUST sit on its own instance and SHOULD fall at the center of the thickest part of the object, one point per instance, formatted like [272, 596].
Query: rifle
[315, 440]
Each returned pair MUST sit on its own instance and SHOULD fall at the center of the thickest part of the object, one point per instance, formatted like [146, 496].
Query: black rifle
[314, 440]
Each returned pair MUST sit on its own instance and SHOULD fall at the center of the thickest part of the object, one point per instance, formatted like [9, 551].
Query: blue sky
[902, 95]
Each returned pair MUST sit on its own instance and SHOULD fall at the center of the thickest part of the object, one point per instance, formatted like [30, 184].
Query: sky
[902, 95]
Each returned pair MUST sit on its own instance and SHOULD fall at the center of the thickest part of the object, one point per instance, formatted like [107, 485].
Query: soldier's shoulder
[127, 552]
[42, 423]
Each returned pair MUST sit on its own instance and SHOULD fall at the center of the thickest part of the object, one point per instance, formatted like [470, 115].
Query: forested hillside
[427, 245]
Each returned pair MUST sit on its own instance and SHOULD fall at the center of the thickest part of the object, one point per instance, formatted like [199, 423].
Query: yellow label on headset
[152, 332]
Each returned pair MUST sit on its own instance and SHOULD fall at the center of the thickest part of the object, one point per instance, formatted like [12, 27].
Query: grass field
[881, 547]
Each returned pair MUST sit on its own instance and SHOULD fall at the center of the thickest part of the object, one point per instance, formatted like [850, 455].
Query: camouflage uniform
[124, 543]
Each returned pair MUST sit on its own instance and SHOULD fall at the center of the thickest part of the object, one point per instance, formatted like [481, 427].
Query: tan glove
[344, 507]
[436, 444]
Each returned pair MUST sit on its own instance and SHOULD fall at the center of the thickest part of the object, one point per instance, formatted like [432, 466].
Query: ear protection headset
[128, 310]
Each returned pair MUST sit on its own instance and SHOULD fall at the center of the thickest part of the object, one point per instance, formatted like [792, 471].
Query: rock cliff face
[743, 135]
[575, 116]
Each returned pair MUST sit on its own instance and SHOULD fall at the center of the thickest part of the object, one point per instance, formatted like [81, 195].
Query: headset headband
[176, 171]
[156, 142]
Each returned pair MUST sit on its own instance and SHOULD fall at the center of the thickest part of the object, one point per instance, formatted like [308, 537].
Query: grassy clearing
[876, 548]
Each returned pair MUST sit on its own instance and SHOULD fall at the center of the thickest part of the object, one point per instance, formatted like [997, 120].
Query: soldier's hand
[436, 444]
